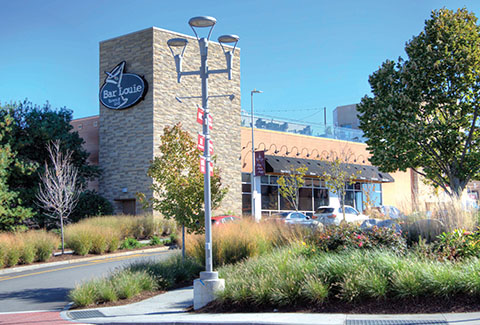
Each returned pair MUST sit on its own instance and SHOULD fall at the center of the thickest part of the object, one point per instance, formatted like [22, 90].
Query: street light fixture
[254, 192]
[209, 282]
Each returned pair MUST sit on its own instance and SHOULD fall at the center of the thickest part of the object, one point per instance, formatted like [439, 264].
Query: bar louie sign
[122, 90]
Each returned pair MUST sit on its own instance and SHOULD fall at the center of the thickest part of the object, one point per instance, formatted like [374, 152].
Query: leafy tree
[424, 110]
[291, 184]
[338, 175]
[33, 127]
[178, 183]
[59, 190]
[12, 213]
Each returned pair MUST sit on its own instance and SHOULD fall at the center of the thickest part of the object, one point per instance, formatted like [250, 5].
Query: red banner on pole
[201, 144]
[203, 168]
[200, 113]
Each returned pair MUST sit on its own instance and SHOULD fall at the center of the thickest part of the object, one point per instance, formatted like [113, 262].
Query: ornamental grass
[236, 241]
[292, 276]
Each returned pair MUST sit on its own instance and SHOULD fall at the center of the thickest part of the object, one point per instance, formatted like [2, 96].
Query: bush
[155, 241]
[458, 244]
[347, 236]
[130, 243]
[91, 204]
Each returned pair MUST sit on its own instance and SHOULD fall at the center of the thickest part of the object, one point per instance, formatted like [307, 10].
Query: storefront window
[305, 199]
[320, 197]
[246, 204]
[285, 205]
[269, 198]
[245, 177]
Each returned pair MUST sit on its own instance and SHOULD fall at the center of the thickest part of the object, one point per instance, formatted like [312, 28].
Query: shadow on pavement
[37, 295]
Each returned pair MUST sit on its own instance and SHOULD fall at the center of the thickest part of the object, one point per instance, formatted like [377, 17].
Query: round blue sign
[122, 90]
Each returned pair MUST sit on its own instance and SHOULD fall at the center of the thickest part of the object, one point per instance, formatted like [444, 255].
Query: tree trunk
[343, 207]
[63, 238]
[183, 242]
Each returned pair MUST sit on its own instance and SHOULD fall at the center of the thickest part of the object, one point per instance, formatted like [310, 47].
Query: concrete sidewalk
[169, 308]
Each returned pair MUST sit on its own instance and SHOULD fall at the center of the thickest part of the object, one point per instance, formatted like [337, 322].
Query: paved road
[47, 288]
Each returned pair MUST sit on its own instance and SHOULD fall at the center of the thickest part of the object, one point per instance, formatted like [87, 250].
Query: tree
[32, 128]
[178, 182]
[291, 184]
[12, 213]
[424, 110]
[59, 190]
[338, 175]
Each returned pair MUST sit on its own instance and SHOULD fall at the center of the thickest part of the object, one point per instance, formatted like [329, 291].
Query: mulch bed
[426, 305]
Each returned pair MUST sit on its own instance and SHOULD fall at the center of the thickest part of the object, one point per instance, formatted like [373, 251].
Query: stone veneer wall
[129, 138]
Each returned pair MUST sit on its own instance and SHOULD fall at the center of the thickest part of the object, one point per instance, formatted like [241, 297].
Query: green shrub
[91, 204]
[130, 243]
[155, 241]
[458, 244]
[347, 236]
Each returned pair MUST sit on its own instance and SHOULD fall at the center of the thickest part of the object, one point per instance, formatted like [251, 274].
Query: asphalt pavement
[46, 287]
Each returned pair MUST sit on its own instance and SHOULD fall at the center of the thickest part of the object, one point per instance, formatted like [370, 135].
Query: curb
[78, 260]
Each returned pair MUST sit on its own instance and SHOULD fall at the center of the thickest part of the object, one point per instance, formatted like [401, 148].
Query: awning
[316, 168]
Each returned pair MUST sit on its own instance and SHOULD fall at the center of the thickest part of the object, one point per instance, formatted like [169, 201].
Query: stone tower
[129, 138]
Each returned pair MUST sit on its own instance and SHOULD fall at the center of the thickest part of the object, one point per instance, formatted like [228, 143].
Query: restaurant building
[138, 89]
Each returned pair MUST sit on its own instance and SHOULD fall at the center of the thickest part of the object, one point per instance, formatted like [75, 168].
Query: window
[80, 126]
[269, 197]
[95, 124]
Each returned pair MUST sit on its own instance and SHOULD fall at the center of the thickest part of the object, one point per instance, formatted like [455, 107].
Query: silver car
[330, 215]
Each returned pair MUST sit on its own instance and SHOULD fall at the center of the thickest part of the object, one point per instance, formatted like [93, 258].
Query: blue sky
[304, 55]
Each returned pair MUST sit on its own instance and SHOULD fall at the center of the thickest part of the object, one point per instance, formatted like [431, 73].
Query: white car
[330, 215]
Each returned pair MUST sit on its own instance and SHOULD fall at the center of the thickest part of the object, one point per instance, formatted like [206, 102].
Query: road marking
[100, 261]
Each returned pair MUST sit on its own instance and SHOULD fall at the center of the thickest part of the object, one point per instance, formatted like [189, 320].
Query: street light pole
[254, 192]
[209, 282]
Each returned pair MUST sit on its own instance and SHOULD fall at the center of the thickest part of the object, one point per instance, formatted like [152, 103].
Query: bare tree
[59, 190]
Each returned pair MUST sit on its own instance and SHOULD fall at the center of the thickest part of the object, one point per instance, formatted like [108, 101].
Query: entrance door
[128, 207]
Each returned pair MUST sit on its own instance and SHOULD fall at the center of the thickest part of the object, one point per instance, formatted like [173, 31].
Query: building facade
[124, 141]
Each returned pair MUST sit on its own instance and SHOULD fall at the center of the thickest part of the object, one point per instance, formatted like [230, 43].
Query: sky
[304, 55]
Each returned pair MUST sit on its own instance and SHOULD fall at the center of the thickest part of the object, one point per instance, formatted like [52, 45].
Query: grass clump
[27, 247]
[120, 285]
[237, 241]
[288, 277]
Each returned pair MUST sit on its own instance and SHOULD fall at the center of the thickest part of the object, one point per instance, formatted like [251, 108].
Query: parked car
[296, 218]
[387, 212]
[221, 220]
[329, 215]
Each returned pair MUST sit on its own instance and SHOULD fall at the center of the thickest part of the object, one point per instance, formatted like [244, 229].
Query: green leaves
[178, 183]
[290, 185]
[424, 110]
